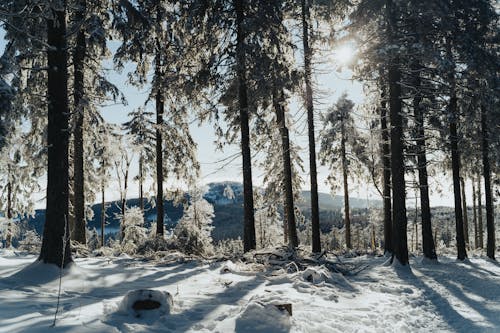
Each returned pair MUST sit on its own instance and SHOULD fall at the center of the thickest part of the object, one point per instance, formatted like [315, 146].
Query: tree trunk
[279, 109]
[480, 212]
[490, 222]
[347, 216]
[103, 215]
[124, 199]
[427, 240]
[464, 210]
[79, 231]
[141, 179]
[399, 219]
[316, 240]
[249, 220]
[455, 162]
[386, 163]
[474, 212]
[55, 244]
[8, 237]
[160, 106]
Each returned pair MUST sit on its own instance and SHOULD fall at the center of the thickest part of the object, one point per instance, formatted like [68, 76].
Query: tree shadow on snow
[448, 279]
[192, 317]
[34, 299]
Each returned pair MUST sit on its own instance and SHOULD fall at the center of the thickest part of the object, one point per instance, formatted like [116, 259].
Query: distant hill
[228, 211]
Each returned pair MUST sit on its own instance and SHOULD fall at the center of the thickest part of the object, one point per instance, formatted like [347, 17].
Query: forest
[247, 72]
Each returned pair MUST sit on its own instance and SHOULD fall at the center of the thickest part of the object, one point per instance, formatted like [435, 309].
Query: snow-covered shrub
[155, 244]
[230, 247]
[93, 241]
[134, 232]
[193, 231]
[31, 242]
[8, 230]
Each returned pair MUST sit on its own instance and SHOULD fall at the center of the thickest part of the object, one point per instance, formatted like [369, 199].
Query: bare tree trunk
[455, 162]
[316, 240]
[160, 106]
[480, 212]
[79, 231]
[249, 220]
[386, 163]
[399, 218]
[124, 199]
[464, 209]
[55, 244]
[141, 180]
[287, 170]
[8, 237]
[490, 222]
[474, 212]
[103, 214]
[427, 240]
[347, 216]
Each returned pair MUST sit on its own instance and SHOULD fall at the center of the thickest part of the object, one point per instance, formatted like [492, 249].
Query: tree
[194, 229]
[91, 24]
[154, 31]
[340, 138]
[140, 129]
[55, 243]
[316, 241]
[19, 175]
[399, 219]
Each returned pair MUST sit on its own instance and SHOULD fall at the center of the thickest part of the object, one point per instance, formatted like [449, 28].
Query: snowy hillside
[222, 296]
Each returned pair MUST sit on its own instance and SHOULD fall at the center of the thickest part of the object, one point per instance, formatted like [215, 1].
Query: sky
[331, 81]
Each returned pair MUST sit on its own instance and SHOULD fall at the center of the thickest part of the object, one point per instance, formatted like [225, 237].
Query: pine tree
[55, 244]
[340, 138]
[154, 31]
[140, 129]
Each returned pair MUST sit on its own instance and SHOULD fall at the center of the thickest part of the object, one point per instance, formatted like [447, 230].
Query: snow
[225, 296]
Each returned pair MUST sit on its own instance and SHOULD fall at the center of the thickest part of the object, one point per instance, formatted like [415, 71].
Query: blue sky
[332, 84]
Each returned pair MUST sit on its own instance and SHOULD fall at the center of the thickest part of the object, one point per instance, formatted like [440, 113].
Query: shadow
[442, 275]
[191, 317]
[34, 299]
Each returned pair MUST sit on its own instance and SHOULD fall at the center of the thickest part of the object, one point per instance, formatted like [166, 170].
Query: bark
[464, 209]
[8, 237]
[347, 217]
[160, 106]
[103, 215]
[141, 180]
[291, 229]
[474, 212]
[124, 199]
[480, 212]
[386, 162]
[427, 240]
[316, 241]
[455, 163]
[490, 222]
[399, 218]
[79, 230]
[249, 219]
[55, 244]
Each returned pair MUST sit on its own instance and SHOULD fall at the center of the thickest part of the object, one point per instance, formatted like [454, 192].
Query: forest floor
[448, 296]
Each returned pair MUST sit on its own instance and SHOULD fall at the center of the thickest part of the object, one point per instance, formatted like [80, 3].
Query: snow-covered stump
[263, 317]
[145, 301]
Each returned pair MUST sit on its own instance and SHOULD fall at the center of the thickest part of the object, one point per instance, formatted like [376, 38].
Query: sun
[344, 54]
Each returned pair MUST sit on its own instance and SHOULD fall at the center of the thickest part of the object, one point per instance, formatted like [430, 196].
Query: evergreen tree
[55, 243]
[140, 129]
[154, 31]
[340, 138]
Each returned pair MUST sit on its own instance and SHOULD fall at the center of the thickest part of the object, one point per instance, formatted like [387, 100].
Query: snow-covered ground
[224, 297]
